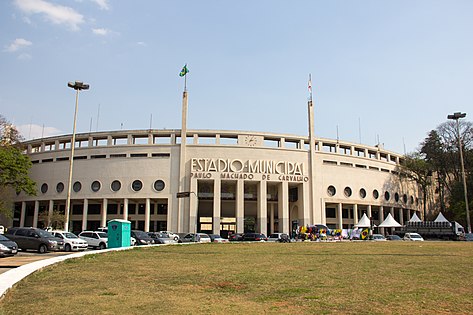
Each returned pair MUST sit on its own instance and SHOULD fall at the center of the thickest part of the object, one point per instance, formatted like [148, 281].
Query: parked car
[235, 237]
[413, 237]
[171, 235]
[469, 237]
[279, 237]
[7, 247]
[195, 237]
[378, 238]
[161, 238]
[393, 238]
[34, 238]
[215, 238]
[2, 229]
[95, 239]
[142, 238]
[71, 241]
[254, 237]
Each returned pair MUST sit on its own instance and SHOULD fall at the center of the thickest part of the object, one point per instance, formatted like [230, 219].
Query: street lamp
[457, 116]
[78, 86]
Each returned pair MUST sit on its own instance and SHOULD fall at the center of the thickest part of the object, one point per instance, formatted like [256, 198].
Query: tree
[14, 168]
[417, 169]
[56, 220]
[440, 149]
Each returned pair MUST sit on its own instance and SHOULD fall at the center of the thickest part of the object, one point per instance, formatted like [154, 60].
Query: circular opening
[116, 185]
[404, 198]
[159, 185]
[412, 199]
[387, 196]
[362, 193]
[44, 188]
[331, 191]
[60, 187]
[396, 197]
[375, 194]
[347, 191]
[137, 185]
[77, 186]
[95, 186]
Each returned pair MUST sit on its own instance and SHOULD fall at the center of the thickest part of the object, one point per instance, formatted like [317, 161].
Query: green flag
[184, 71]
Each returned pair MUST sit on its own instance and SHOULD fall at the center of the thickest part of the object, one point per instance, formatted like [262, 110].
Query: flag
[364, 234]
[184, 71]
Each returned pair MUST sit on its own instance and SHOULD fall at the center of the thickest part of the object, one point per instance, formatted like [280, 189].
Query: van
[35, 239]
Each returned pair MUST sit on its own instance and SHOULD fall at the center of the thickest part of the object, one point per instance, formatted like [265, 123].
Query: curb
[11, 277]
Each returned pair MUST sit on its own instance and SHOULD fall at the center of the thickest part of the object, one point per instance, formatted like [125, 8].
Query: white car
[413, 237]
[71, 241]
[278, 237]
[378, 238]
[172, 235]
[95, 239]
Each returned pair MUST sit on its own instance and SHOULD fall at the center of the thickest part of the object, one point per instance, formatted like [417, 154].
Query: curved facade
[229, 181]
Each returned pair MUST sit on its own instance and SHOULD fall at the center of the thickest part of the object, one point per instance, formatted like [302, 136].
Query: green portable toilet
[119, 233]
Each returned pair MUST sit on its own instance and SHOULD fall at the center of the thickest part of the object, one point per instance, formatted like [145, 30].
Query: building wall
[226, 164]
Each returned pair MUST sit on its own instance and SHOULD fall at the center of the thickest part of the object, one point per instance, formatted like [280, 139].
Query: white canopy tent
[364, 222]
[415, 218]
[441, 218]
[389, 222]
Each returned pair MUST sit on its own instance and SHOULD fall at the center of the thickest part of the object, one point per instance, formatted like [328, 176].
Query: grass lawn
[261, 278]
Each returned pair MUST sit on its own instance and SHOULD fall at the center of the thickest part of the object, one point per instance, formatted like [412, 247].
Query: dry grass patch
[322, 278]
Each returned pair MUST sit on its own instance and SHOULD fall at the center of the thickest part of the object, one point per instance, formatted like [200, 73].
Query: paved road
[23, 258]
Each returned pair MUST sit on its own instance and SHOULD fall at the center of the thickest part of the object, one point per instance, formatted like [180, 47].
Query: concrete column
[85, 211]
[262, 212]
[304, 211]
[271, 218]
[35, 215]
[194, 204]
[23, 214]
[240, 206]
[50, 211]
[103, 214]
[401, 216]
[340, 216]
[369, 214]
[217, 205]
[381, 218]
[392, 212]
[283, 207]
[147, 214]
[125, 209]
[355, 214]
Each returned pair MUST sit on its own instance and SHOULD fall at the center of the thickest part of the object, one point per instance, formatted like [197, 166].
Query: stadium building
[214, 181]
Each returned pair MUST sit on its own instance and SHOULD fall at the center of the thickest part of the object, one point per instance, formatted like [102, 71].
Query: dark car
[254, 237]
[393, 238]
[142, 238]
[7, 247]
[34, 238]
[235, 237]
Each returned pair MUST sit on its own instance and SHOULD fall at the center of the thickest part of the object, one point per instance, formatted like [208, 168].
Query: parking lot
[23, 258]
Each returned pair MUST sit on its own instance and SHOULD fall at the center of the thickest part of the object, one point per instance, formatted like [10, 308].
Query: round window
[77, 186]
[60, 187]
[387, 196]
[347, 191]
[396, 197]
[116, 185]
[95, 186]
[362, 193]
[412, 199]
[404, 198]
[331, 191]
[44, 188]
[375, 194]
[137, 185]
[159, 185]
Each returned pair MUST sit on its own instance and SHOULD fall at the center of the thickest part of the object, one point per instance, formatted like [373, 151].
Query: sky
[383, 72]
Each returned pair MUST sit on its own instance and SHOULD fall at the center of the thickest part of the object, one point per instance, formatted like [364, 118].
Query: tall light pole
[78, 86]
[457, 116]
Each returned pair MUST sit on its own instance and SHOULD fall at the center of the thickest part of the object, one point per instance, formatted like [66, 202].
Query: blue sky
[391, 70]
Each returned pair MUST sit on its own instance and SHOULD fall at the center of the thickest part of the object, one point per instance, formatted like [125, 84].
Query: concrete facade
[237, 181]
